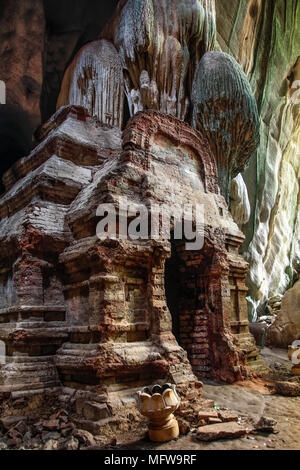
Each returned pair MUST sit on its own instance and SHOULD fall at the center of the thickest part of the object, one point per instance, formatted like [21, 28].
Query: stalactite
[239, 201]
[225, 110]
[161, 42]
[94, 80]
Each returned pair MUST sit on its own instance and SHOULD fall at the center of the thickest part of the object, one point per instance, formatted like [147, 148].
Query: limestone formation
[161, 42]
[225, 110]
[94, 80]
[239, 201]
[274, 305]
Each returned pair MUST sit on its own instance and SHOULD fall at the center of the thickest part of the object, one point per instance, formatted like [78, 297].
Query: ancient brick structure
[160, 44]
[100, 317]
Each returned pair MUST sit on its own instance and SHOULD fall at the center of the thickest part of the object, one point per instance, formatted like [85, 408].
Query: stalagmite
[239, 201]
[94, 80]
[225, 110]
[161, 42]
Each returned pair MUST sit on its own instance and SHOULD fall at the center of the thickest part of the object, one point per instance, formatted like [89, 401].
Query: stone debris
[202, 422]
[288, 389]
[227, 416]
[58, 427]
[184, 426]
[51, 444]
[84, 437]
[216, 416]
[206, 415]
[274, 305]
[51, 425]
[214, 432]
[266, 424]
[218, 424]
[214, 420]
[70, 444]
[49, 428]
[9, 421]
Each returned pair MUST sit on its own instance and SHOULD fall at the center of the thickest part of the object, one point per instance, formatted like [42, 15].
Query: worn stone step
[29, 359]
[27, 367]
[21, 386]
[81, 346]
[74, 349]
[33, 379]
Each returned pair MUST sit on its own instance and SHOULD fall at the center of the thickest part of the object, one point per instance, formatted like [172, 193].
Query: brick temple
[106, 317]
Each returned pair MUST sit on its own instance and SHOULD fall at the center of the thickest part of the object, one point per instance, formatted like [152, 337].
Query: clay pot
[296, 367]
[158, 403]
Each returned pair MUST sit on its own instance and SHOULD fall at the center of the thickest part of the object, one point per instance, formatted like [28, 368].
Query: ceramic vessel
[158, 403]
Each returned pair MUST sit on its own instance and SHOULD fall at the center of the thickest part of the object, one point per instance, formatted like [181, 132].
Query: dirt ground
[251, 400]
[50, 427]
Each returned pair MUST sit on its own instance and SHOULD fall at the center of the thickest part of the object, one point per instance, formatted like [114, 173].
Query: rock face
[94, 80]
[225, 110]
[22, 33]
[22, 27]
[94, 314]
[264, 38]
[288, 389]
[286, 327]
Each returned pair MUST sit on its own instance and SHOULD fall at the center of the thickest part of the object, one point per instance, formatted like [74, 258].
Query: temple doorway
[188, 297]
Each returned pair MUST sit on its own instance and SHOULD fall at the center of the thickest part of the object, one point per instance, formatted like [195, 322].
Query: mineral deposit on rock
[225, 111]
[94, 80]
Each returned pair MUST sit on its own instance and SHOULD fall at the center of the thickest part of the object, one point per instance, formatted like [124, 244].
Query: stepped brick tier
[106, 317]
